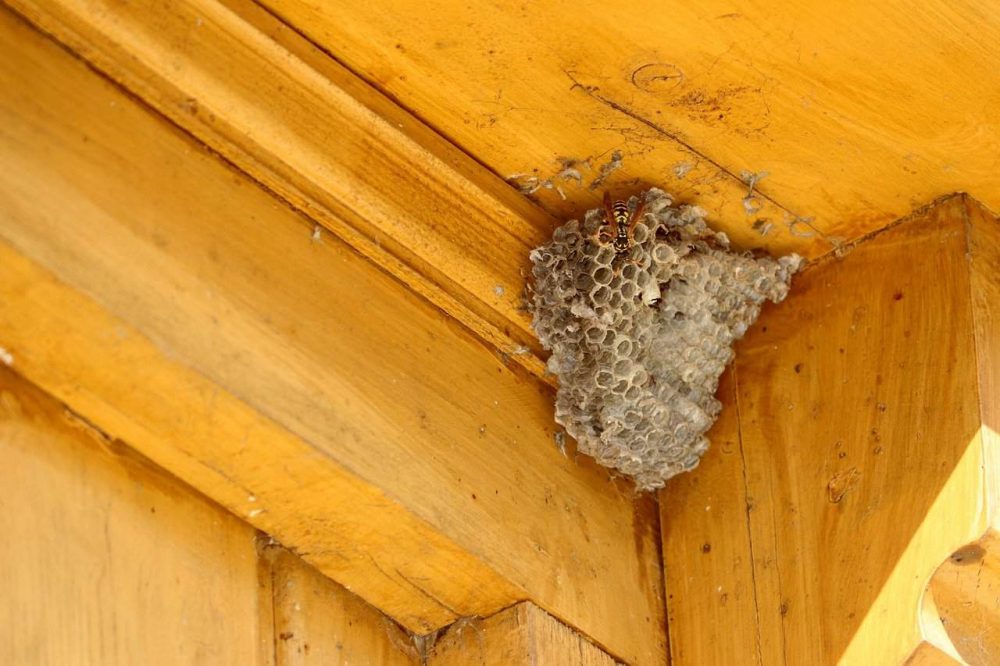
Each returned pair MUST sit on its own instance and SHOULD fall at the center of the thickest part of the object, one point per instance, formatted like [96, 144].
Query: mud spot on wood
[969, 554]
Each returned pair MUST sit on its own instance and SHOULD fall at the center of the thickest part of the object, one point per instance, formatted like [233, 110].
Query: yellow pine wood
[711, 600]
[859, 421]
[501, 81]
[335, 148]
[319, 622]
[106, 560]
[205, 327]
[966, 591]
[523, 635]
[860, 453]
[859, 113]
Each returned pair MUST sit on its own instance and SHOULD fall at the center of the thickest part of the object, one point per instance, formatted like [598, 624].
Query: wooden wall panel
[711, 600]
[860, 426]
[206, 327]
[858, 458]
[105, 560]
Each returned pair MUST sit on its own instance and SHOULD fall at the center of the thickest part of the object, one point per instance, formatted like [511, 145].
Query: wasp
[619, 224]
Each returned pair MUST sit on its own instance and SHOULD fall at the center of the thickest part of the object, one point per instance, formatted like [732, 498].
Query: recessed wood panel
[106, 560]
[319, 623]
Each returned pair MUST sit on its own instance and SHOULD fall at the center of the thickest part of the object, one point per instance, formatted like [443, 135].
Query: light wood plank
[106, 560]
[319, 622]
[333, 147]
[858, 113]
[521, 635]
[292, 381]
[711, 601]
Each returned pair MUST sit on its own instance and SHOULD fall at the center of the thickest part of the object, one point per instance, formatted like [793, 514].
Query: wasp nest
[640, 336]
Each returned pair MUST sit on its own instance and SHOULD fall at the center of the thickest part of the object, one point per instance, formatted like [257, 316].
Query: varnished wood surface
[105, 560]
[319, 623]
[206, 327]
[334, 148]
[859, 421]
[858, 460]
[712, 610]
[858, 114]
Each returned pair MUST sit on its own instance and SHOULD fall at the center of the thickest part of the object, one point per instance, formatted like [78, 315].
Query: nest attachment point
[639, 338]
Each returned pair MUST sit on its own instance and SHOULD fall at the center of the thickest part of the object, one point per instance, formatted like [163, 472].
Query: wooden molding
[327, 143]
[857, 455]
[174, 303]
[523, 635]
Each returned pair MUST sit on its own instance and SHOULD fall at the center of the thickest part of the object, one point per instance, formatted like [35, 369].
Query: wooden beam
[107, 560]
[861, 455]
[334, 148]
[830, 101]
[523, 635]
[182, 309]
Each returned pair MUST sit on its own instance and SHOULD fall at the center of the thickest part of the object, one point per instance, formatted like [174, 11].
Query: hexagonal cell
[640, 338]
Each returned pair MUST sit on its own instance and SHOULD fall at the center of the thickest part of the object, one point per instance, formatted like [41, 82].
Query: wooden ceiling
[858, 112]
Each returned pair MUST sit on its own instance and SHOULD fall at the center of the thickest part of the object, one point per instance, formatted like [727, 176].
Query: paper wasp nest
[640, 338]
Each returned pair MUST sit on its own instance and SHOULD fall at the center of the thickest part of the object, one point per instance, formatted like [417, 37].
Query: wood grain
[327, 143]
[523, 635]
[319, 622]
[290, 380]
[859, 424]
[106, 560]
[708, 574]
[859, 114]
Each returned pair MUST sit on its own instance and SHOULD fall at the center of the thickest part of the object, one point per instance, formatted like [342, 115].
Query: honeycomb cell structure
[639, 338]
